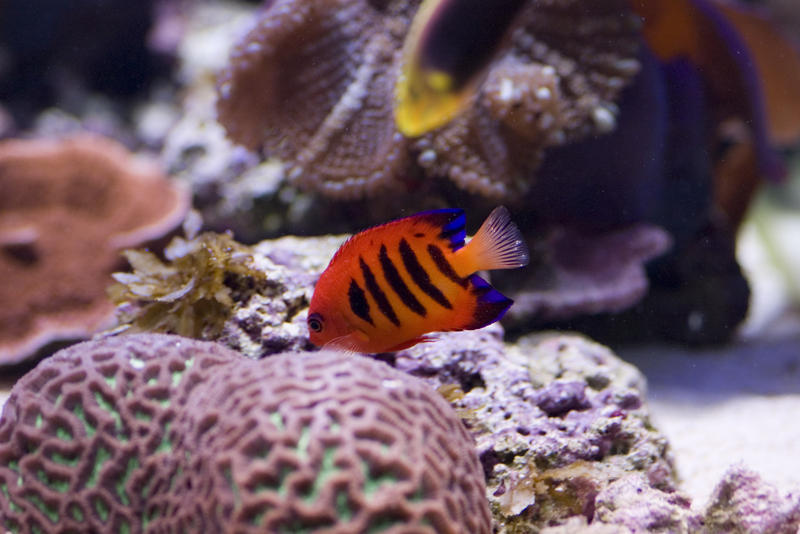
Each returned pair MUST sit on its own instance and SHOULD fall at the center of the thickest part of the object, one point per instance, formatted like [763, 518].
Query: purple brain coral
[313, 84]
[157, 433]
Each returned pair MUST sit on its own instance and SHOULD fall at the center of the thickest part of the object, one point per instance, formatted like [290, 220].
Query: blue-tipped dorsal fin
[491, 305]
[452, 223]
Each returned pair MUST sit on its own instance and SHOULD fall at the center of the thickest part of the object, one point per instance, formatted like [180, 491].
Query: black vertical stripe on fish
[396, 282]
[420, 275]
[444, 266]
[358, 302]
[377, 293]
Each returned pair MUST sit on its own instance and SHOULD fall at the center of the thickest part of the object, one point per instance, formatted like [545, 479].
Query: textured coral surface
[557, 420]
[313, 83]
[160, 433]
[66, 209]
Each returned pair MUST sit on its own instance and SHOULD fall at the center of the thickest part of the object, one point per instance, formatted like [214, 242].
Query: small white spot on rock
[391, 384]
[427, 158]
[506, 90]
[604, 119]
[544, 93]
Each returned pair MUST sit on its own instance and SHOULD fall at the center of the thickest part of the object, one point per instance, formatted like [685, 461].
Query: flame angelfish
[390, 285]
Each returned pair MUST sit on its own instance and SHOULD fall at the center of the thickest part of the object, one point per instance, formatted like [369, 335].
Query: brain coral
[157, 433]
[66, 210]
[313, 83]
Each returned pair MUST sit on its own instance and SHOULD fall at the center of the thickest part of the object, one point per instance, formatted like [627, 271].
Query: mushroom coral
[159, 433]
[313, 83]
[68, 207]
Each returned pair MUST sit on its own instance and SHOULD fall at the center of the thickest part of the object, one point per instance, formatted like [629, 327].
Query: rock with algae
[253, 299]
[192, 294]
[557, 421]
[159, 433]
[743, 502]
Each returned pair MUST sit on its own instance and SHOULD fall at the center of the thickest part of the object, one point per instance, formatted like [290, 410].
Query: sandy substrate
[5, 387]
[741, 402]
[719, 407]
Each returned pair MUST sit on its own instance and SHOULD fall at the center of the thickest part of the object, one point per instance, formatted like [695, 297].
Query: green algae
[166, 444]
[99, 459]
[102, 508]
[109, 407]
[372, 480]
[59, 485]
[133, 463]
[75, 512]
[64, 460]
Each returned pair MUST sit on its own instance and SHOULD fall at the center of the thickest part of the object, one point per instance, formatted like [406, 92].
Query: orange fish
[388, 286]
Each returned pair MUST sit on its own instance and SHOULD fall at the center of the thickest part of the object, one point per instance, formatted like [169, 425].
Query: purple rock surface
[556, 419]
[743, 502]
[561, 425]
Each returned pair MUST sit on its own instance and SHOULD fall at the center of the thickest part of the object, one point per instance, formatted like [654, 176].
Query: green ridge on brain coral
[323, 442]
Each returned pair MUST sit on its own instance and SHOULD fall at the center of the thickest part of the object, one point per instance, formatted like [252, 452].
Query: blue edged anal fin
[491, 305]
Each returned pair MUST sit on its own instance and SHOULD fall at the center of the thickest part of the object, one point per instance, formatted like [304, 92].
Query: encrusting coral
[66, 210]
[313, 84]
[159, 433]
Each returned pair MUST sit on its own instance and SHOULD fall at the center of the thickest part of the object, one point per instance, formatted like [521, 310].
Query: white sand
[729, 405]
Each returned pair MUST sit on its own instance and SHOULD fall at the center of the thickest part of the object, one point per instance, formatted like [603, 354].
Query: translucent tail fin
[498, 243]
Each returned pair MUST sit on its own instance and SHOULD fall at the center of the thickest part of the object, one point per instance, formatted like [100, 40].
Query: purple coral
[161, 433]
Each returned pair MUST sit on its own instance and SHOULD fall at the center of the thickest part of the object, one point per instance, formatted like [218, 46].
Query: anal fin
[491, 305]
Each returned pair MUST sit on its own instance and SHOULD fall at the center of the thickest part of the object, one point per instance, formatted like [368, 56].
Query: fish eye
[315, 322]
